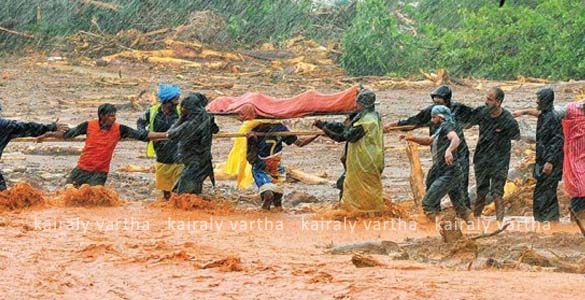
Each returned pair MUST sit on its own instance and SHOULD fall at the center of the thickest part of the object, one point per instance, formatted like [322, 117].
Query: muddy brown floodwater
[145, 249]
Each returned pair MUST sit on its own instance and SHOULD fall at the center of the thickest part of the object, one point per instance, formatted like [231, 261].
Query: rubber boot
[267, 198]
[500, 208]
[478, 206]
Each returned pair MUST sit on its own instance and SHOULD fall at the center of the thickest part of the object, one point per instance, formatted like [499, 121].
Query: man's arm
[76, 131]
[455, 141]
[305, 141]
[554, 149]
[127, 132]
[354, 134]
[526, 112]
[421, 140]
[333, 130]
[27, 129]
[474, 117]
[513, 131]
[463, 114]
[419, 120]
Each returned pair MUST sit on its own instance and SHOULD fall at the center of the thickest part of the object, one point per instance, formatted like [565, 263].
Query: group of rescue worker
[179, 136]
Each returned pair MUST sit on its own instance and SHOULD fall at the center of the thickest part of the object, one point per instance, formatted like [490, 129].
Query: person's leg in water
[278, 201]
[267, 199]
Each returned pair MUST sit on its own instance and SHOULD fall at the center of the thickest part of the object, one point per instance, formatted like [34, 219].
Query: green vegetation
[536, 38]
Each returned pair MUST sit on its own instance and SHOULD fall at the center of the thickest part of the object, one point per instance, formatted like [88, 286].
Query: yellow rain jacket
[362, 188]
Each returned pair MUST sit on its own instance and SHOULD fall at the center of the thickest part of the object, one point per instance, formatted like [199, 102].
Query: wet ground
[141, 251]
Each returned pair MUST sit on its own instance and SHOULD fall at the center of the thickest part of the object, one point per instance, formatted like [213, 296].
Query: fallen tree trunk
[306, 178]
[417, 185]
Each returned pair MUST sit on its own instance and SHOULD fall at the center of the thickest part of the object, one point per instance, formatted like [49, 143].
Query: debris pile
[90, 196]
[21, 195]
[532, 251]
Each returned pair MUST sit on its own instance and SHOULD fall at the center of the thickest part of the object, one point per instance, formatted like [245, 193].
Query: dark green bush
[374, 44]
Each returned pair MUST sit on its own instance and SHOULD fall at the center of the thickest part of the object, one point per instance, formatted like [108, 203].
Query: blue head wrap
[445, 113]
[168, 92]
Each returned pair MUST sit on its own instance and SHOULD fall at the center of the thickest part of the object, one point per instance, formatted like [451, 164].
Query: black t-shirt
[495, 135]
[441, 142]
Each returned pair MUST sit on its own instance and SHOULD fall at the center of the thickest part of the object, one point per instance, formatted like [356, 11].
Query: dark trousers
[191, 180]
[546, 204]
[2, 183]
[79, 177]
[464, 163]
[440, 182]
[491, 177]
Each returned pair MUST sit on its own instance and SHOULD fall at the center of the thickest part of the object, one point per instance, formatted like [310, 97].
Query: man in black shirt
[461, 113]
[497, 127]
[445, 175]
[548, 170]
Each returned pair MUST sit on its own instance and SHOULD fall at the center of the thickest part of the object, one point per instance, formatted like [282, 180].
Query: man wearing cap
[462, 115]
[445, 173]
[364, 157]
[193, 135]
[102, 136]
[159, 118]
[10, 129]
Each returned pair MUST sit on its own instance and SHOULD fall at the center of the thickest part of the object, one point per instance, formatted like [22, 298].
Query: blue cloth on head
[445, 113]
[167, 92]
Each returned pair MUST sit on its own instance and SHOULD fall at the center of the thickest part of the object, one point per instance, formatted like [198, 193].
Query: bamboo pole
[221, 135]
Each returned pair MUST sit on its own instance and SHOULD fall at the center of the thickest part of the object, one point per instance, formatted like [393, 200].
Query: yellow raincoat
[362, 188]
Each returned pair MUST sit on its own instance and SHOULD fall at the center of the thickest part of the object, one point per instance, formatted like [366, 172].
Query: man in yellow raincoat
[364, 157]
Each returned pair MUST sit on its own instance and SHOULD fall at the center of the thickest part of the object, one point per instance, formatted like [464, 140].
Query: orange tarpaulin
[304, 104]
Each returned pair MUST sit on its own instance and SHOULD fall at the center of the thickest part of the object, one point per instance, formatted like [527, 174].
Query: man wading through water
[461, 114]
[102, 137]
[363, 158]
[264, 153]
[491, 161]
[548, 169]
[160, 118]
[193, 132]
[445, 175]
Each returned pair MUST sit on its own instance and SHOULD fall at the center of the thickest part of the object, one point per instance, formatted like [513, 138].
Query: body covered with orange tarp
[301, 105]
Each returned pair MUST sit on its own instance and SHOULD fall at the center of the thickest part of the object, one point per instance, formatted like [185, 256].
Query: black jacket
[549, 135]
